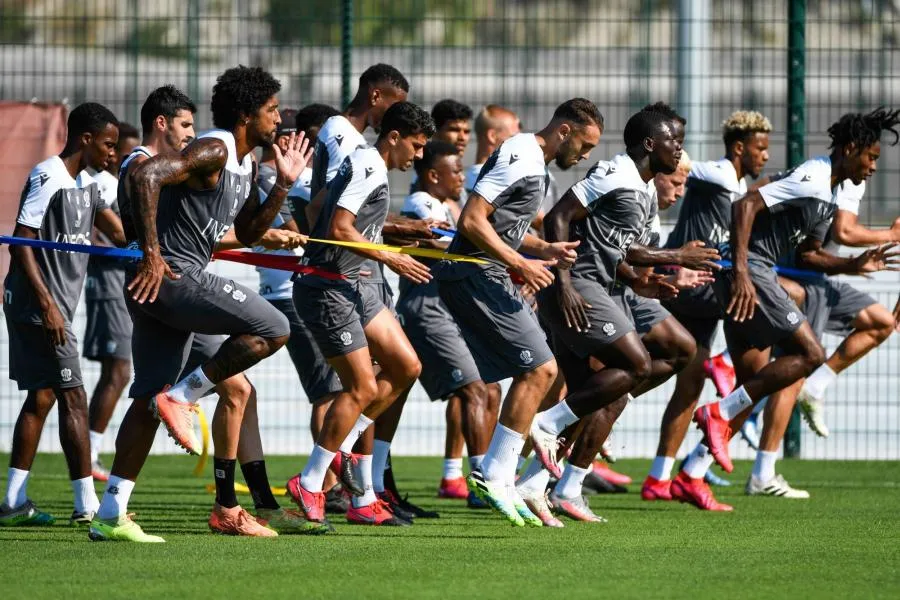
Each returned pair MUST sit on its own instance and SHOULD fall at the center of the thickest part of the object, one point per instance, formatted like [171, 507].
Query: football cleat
[696, 492]
[716, 433]
[813, 411]
[237, 521]
[98, 471]
[289, 522]
[606, 452]
[473, 501]
[26, 515]
[120, 529]
[336, 501]
[539, 505]
[342, 466]
[414, 509]
[750, 431]
[712, 479]
[608, 474]
[595, 484]
[393, 503]
[656, 489]
[496, 496]
[721, 373]
[178, 417]
[575, 508]
[376, 513]
[522, 508]
[312, 504]
[453, 488]
[546, 445]
[776, 486]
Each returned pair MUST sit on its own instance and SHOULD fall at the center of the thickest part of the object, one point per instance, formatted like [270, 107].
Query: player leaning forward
[59, 203]
[183, 204]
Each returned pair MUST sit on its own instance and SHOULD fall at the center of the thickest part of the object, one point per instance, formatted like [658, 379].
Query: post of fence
[796, 144]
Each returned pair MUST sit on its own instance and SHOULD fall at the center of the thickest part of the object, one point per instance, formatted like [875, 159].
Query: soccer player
[349, 323]
[107, 336]
[448, 369]
[789, 216]
[497, 323]
[452, 120]
[61, 203]
[591, 312]
[494, 125]
[200, 192]
[705, 215]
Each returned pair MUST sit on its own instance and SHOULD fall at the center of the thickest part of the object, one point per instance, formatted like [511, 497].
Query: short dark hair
[863, 130]
[580, 111]
[241, 91]
[434, 150]
[449, 110]
[382, 73]
[89, 117]
[407, 119]
[665, 110]
[314, 115]
[641, 125]
[288, 123]
[127, 130]
[166, 101]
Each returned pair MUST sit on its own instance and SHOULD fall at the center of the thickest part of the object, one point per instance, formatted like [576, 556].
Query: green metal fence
[801, 63]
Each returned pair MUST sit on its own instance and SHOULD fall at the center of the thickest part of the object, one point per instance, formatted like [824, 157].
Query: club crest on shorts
[609, 329]
[526, 357]
[346, 338]
[66, 375]
[238, 295]
[457, 375]
[792, 318]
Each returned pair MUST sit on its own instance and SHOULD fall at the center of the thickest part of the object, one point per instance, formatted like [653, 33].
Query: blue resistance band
[66, 247]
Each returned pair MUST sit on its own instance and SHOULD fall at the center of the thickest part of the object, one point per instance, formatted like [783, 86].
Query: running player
[202, 190]
[349, 323]
[61, 203]
[494, 125]
[705, 215]
[593, 316]
[107, 336]
[448, 369]
[497, 323]
[800, 207]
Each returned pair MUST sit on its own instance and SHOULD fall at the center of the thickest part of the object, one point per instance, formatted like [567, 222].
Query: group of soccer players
[570, 295]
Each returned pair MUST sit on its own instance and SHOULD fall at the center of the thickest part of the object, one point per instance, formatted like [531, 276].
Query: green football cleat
[529, 517]
[26, 515]
[121, 529]
[288, 521]
[496, 496]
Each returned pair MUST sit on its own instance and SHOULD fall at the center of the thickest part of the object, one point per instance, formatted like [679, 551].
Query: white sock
[764, 467]
[532, 478]
[569, 485]
[698, 462]
[500, 461]
[115, 498]
[85, 496]
[380, 454]
[475, 461]
[734, 403]
[313, 475]
[453, 468]
[191, 388]
[555, 419]
[96, 441]
[16, 488]
[362, 423]
[818, 382]
[362, 471]
[661, 469]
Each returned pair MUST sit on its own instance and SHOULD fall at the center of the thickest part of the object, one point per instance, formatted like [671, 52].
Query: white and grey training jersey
[361, 187]
[705, 212]
[513, 181]
[621, 209]
[337, 139]
[801, 204]
[274, 284]
[105, 275]
[191, 222]
[60, 209]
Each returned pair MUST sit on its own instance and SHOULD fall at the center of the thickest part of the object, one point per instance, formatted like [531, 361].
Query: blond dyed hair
[742, 123]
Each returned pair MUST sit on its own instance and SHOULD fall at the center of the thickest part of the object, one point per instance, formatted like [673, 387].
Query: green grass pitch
[844, 542]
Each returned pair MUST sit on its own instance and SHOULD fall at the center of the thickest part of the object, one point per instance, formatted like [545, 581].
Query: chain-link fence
[706, 57]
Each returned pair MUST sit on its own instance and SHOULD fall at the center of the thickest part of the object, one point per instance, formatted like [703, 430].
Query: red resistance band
[281, 262]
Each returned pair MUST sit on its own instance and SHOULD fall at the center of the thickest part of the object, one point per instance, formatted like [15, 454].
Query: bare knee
[474, 394]
[364, 392]
[235, 391]
[120, 373]
[544, 375]
[641, 367]
[407, 372]
[883, 325]
[813, 358]
[274, 344]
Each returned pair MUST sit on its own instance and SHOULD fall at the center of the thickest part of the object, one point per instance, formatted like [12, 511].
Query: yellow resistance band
[412, 251]
[204, 452]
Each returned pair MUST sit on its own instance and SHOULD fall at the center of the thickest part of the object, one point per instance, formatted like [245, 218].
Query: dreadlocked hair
[863, 130]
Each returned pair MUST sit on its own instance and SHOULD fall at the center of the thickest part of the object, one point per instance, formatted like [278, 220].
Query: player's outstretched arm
[201, 159]
[883, 258]
[255, 217]
[693, 255]
[51, 317]
[847, 230]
